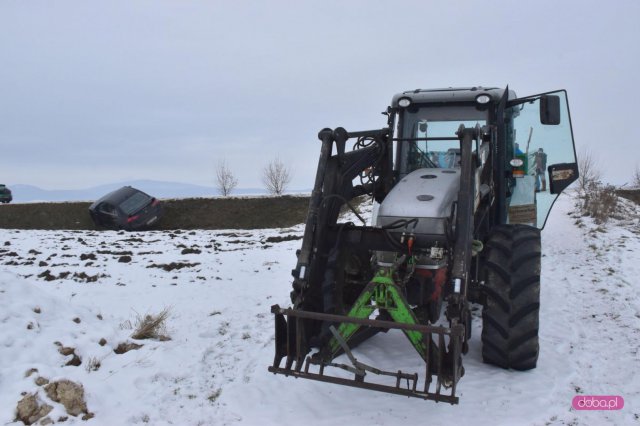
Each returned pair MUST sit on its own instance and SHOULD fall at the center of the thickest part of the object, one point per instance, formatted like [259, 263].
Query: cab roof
[451, 94]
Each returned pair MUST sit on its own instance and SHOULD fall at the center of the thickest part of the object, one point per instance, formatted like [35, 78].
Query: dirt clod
[47, 275]
[191, 251]
[41, 381]
[126, 347]
[30, 409]
[69, 394]
[75, 360]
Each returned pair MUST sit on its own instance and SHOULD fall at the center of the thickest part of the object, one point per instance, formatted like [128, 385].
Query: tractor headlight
[516, 162]
[483, 99]
[404, 102]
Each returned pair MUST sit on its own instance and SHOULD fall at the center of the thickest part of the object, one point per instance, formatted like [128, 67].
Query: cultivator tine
[281, 339]
[291, 343]
[456, 348]
[427, 361]
[299, 343]
[440, 361]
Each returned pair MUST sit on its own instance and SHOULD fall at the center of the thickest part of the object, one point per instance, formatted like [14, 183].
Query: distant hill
[29, 193]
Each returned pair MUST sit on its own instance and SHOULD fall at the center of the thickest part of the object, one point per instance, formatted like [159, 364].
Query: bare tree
[636, 178]
[226, 181]
[276, 176]
[588, 169]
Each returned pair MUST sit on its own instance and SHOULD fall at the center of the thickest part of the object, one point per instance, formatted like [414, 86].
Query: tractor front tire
[510, 317]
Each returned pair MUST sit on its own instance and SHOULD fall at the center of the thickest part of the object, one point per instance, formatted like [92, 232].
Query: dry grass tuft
[599, 201]
[215, 395]
[152, 326]
[93, 364]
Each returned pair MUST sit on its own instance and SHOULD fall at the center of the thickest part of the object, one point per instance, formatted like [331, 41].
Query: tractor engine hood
[424, 194]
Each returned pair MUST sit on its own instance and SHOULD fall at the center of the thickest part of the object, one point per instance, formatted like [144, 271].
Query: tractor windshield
[428, 136]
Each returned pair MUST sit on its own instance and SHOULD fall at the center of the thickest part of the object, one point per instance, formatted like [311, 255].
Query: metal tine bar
[289, 361]
[299, 358]
[428, 361]
[440, 360]
[456, 358]
[276, 360]
[362, 367]
[369, 385]
[361, 321]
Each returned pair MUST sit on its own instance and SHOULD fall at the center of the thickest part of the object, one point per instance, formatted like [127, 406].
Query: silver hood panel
[426, 194]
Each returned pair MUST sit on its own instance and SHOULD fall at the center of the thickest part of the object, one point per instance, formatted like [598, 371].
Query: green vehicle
[5, 194]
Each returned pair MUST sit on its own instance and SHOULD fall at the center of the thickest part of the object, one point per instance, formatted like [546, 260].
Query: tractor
[462, 182]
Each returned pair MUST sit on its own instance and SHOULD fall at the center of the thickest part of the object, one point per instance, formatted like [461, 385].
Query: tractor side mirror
[561, 176]
[550, 109]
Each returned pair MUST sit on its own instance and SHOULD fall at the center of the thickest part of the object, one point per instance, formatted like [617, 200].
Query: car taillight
[132, 218]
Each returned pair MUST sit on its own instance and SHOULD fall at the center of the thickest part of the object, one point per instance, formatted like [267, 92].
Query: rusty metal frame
[297, 357]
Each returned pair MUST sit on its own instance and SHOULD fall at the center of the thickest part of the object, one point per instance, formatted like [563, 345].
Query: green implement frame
[384, 294]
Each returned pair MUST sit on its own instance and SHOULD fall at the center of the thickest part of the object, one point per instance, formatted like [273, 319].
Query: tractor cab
[532, 143]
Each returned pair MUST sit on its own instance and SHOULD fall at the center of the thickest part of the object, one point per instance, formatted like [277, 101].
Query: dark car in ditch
[5, 194]
[126, 208]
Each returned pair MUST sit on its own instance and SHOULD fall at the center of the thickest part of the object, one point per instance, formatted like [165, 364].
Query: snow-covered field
[84, 291]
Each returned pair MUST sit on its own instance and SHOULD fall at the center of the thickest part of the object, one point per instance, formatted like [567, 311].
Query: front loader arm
[333, 187]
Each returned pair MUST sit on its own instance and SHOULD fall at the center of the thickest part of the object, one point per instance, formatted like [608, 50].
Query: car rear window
[134, 203]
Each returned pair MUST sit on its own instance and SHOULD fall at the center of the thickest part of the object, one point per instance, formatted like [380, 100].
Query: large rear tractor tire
[512, 288]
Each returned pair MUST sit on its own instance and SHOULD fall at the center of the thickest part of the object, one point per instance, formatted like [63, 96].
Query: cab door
[543, 143]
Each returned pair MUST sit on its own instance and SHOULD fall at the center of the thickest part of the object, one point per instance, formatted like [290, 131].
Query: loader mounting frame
[289, 344]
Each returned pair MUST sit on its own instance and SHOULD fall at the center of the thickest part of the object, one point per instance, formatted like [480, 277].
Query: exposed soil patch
[173, 265]
[47, 276]
[77, 276]
[84, 277]
[630, 194]
[283, 238]
[191, 251]
[116, 253]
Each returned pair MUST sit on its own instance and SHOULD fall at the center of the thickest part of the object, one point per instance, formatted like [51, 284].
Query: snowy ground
[219, 286]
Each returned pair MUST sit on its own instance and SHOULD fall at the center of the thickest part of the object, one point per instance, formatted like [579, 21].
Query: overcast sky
[100, 92]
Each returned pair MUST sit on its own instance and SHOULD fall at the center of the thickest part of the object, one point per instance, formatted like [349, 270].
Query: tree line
[276, 177]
